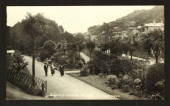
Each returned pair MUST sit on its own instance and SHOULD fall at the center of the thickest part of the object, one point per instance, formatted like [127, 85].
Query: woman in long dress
[52, 69]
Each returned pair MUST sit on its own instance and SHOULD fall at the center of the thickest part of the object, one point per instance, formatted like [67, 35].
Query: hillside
[138, 17]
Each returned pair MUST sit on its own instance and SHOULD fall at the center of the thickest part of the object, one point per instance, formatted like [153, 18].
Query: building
[153, 26]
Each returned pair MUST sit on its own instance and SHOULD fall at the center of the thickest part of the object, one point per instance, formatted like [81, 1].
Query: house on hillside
[154, 25]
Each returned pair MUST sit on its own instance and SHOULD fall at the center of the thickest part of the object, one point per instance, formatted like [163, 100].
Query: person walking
[52, 69]
[46, 69]
[61, 69]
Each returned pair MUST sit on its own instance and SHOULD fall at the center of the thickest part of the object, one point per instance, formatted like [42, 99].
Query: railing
[25, 81]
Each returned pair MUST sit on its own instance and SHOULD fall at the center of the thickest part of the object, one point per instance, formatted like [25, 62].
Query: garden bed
[99, 82]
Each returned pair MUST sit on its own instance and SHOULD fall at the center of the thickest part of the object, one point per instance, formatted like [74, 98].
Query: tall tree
[154, 41]
[33, 27]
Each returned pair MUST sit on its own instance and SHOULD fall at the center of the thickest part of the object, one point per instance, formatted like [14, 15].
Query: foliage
[155, 74]
[126, 83]
[154, 40]
[136, 18]
[85, 71]
[48, 49]
[122, 66]
[99, 64]
[113, 81]
[90, 45]
[117, 47]
[38, 27]
[16, 62]
[70, 59]
[160, 87]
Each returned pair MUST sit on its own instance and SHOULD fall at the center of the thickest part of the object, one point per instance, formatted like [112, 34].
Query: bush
[84, 71]
[99, 64]
[126, 88]
[122, 66]
[112, 81]
[34, 90]
[136, 73]
[126, 83]
[101, 75]
[155, 73]
[160, 87]
[137, 81]
[156, 96]
[48, 49]
[16, 62]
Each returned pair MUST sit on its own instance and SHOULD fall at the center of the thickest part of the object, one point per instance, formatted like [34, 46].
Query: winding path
[67, 87]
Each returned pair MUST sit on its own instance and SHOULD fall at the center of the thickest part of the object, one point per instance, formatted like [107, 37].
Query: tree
[154, 40]
[48, 49]
[90, 45]
[34, 28]
[116, 47]
[80, 42]
[132, 45]
[106, 31]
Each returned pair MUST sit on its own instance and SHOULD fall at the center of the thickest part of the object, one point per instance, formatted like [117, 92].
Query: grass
[99, 82]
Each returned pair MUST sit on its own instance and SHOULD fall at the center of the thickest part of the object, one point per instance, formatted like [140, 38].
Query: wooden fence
[25, 81]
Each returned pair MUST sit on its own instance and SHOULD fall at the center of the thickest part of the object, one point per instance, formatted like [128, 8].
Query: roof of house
[154, 24]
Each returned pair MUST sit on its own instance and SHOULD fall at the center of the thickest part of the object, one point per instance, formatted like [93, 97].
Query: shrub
[160, 87]
[101, 75]
[126, 88]
[126, 83]
[48, 49]
[156, 96]
[122, 66]
[16, 62]
[136, 73]
[70, 59]
[84, 71]
[99, 64]
[137, 81]
[112, 81]
[155, 73]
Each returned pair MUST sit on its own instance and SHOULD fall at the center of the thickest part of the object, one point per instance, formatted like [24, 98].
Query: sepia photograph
[85, 52]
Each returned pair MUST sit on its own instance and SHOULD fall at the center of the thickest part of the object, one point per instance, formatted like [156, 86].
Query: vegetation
[155, 73]
[41, 37]
[48, 49]
[16, 62]
[154, 41]
[90, 45]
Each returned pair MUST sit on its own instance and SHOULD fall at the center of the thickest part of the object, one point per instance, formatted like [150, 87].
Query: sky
[74, 19]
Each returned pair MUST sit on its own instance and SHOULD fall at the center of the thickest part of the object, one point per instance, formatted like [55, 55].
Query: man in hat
[61, 69]
[46, 68]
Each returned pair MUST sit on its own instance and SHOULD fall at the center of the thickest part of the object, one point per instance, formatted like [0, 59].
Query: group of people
[60, 68]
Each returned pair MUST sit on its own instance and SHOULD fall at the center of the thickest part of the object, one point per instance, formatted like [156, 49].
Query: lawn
[99, 82]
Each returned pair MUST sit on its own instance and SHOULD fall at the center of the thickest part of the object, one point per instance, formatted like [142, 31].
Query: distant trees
[90, 46]
[116, 47]
[133, 44]
[80, 42]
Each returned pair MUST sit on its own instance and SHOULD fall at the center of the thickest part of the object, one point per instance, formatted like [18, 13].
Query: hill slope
[138, 17]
